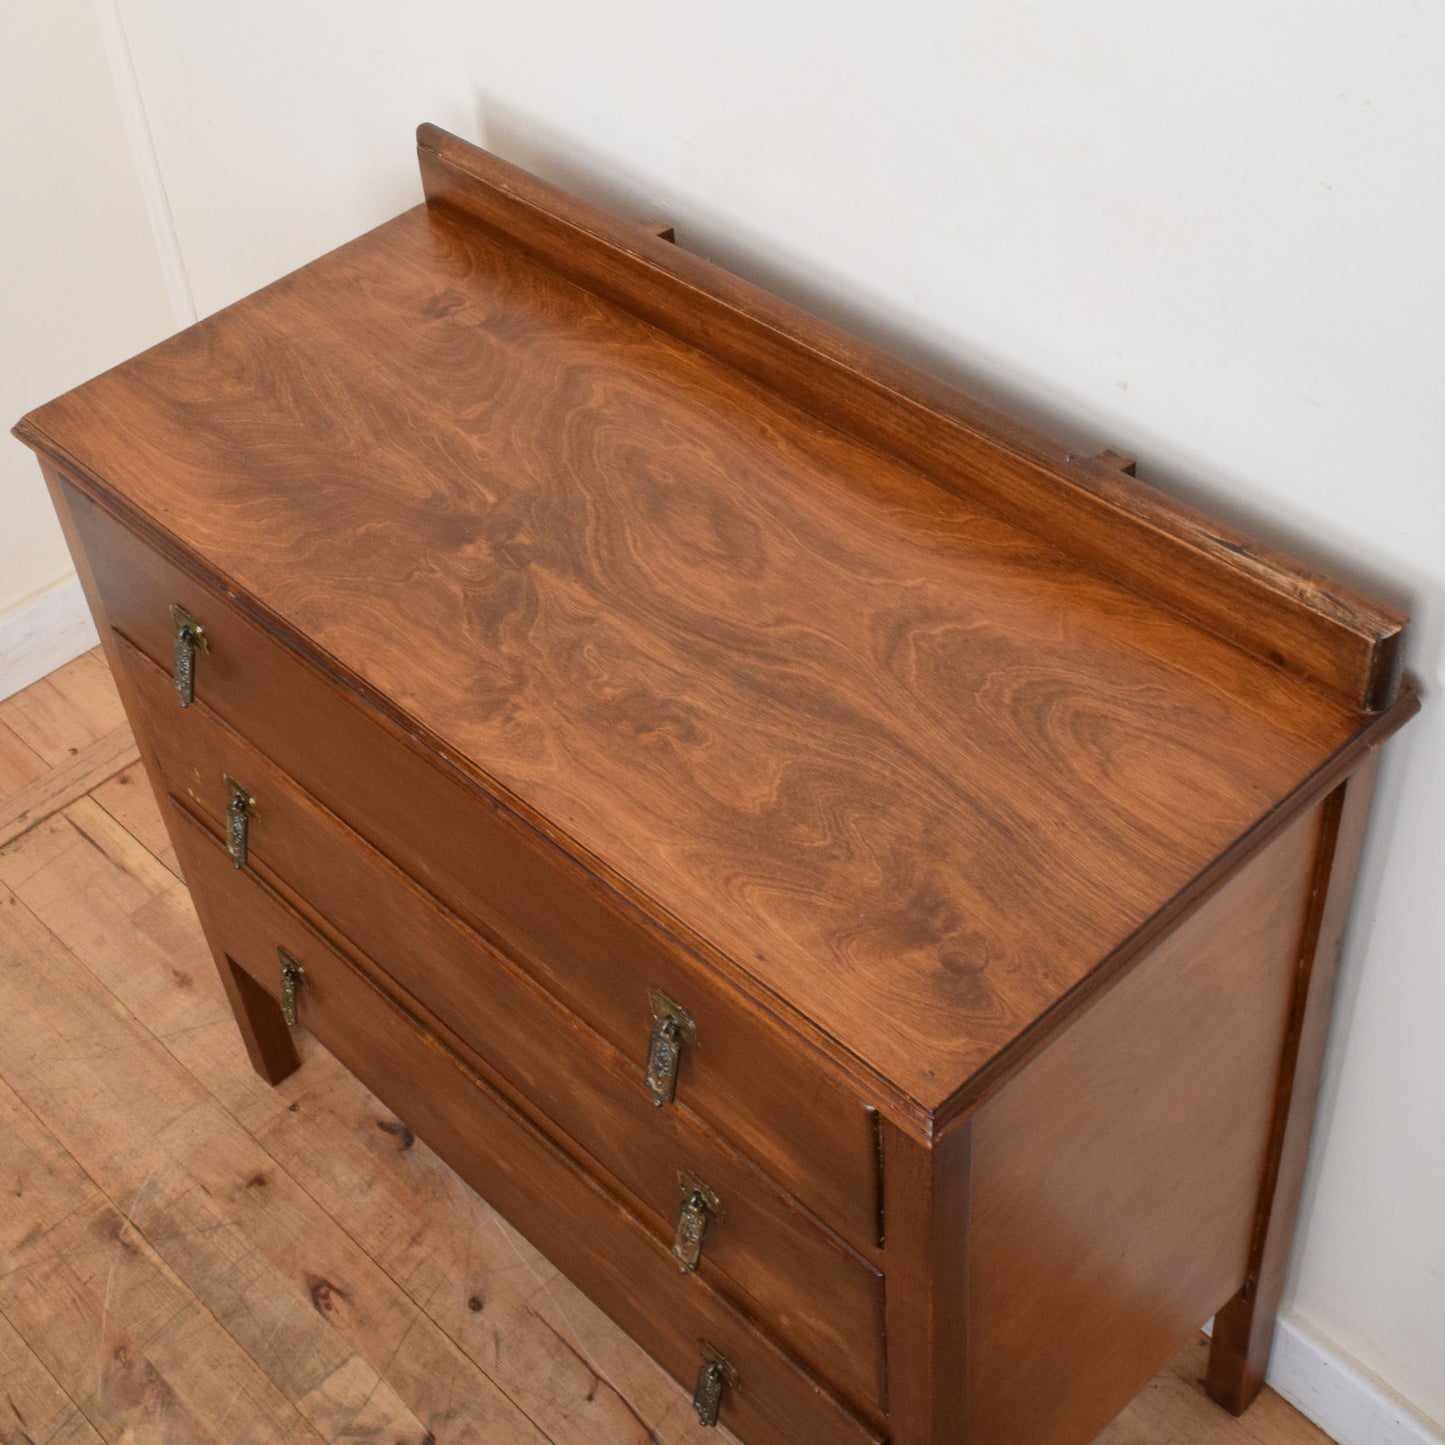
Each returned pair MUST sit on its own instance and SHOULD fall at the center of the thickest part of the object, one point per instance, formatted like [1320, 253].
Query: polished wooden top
[921, 775]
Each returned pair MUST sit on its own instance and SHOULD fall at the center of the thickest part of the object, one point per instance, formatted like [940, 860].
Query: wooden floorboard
[90, 767]
[190, 1255]
[20, 764]
[62, 713]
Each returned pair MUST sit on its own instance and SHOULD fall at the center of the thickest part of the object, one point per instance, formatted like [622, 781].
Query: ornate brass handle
[240, 809]
[292, 977]
[713, 1378]
[672, 1027]
[699, 1206]
[190, 639]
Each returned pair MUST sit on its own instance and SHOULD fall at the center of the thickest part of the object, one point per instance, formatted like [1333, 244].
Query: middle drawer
[810, 1288]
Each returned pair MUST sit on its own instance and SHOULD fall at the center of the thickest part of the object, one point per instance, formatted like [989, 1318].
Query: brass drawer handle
[240, 809]
[713, 1379]
[292, 977]
[190, 639]
[699, 1206]
[672, 1027]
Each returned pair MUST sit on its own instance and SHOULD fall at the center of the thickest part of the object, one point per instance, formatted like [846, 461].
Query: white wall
[82, 284]
[1204, 234]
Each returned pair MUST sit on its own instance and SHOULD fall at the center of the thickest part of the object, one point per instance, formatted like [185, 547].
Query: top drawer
[747, 1077]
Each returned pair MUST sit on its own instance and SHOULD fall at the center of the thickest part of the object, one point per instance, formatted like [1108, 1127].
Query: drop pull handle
[714, 1378]
[240, 809]
[672, 1027]
[190, 639]
[699, 1207]
[293, 976]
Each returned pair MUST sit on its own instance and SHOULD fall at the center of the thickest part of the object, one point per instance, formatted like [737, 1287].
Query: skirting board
[1348, 1403]
[43, 633]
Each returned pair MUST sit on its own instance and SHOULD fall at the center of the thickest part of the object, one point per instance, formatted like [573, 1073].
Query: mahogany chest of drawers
[858, 886]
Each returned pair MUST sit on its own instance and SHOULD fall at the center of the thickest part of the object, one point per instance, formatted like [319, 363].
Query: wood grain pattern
[38, 1406]
[544, 1193]
[20, 764]
[596, 955]
[132, 938]
[1228, 582]
[822, 1298]
[811, 704]
[88, 768]
[59, 738]
[407, 1210]
[128, 799]
[71, 709]
[105, 1316]
[335, 1337]
[590, 624]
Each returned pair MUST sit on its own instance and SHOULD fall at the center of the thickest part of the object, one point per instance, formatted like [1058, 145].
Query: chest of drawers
[857, 885]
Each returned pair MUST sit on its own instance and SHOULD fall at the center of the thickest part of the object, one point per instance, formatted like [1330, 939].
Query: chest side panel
[1115, 1180]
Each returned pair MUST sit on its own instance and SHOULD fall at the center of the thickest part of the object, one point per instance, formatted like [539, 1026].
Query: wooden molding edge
[1259, 600]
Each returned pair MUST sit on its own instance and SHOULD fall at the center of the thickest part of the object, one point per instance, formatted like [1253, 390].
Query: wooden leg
[263, 1028]
[1244, 1328]
[926, 1196]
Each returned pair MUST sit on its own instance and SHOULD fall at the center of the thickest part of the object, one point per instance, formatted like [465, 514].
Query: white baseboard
[44, 632]
[1348, 1403]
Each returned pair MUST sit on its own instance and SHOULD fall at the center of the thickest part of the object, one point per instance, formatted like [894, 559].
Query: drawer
[816, 1293]
[586, 1233]
[751, 1079]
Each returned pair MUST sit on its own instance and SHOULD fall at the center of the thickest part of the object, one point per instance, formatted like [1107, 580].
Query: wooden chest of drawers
[858, 886]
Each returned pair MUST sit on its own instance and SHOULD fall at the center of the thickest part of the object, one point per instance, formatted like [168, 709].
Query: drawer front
[750, 1079]
[814, 1291]
[593, 1239]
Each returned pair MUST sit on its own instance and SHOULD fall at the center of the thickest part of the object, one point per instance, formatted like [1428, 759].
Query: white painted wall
[1204, 234]
[81, 290]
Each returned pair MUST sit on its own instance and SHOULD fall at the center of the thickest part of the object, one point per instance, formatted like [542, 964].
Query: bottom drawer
[586, 1233]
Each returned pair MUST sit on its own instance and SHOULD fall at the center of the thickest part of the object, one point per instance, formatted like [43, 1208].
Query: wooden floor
[187, 1255]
